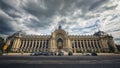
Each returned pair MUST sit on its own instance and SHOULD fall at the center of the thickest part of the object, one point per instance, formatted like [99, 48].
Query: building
[59, 40]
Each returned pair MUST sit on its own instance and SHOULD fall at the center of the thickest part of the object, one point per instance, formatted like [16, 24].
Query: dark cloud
[4, 6]
[117, 39]
[41, 16]
[8, 8]
[34, 24]
[5, 27]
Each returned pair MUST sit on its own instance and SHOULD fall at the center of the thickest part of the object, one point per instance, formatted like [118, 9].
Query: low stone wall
[16, 53]
[105, 54]
[75, 54]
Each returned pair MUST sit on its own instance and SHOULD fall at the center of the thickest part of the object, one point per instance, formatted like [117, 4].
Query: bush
[1, 52]
[78, 51]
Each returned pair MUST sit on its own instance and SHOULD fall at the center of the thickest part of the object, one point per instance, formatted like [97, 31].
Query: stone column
[77, 45]
[91, 45]
[94, 45]
[97, 45]
[106, 46]
[84, 45]
[18, 45]
[26, 45]
[31, 49]
[39, 48]
[87, 45]
[13, 46]
[69, 45]
[38, 45]
[34, 48]
[28, 48]
[22, 45]
[74, 47]
[81, 46]
[44, 45]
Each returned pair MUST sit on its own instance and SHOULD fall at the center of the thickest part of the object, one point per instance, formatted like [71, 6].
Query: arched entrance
[59, 43]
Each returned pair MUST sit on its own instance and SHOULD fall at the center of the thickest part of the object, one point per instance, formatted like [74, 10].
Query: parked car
[87, 54]
[36, 53]
[70, 53]
[60, 53]
[45, 53]
[52, 53]
[94, 54]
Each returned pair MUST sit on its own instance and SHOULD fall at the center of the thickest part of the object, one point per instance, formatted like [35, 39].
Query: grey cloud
[97, 4]
[114, 17]
[114, 30]
[68, 7]
[5, 27]
[110, 8]
[34, 24]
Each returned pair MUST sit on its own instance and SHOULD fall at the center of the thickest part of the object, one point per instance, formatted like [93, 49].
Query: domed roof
[99, 33]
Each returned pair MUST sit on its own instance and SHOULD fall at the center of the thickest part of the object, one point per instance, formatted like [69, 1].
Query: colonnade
[86, 45]
[27, 45]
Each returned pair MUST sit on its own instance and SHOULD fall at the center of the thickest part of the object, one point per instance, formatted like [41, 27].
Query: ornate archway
[59, 43]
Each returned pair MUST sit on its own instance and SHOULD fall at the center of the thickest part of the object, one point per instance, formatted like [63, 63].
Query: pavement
[60, 61]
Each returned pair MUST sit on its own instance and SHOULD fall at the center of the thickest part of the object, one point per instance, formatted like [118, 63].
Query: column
[26, 45]
[42, 45]
[13, 47]
[28, 48]
[38, 48]
[18, 45]
[94, 45]
[35, 45]
[91, 45]
[31, 49]
[74, 47]
[84, 45]
[106, 45]
[102, 44]
[97, 45]
[77, 45]
[81, 46]
[21, 49]
[87, 45]
[45, 46]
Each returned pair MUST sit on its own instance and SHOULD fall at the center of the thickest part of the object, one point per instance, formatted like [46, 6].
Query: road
[53, 61]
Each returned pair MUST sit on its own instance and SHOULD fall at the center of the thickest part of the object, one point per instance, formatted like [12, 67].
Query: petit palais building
[59, 40]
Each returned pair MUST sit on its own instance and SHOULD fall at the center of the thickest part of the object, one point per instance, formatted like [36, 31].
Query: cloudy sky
[76, 16]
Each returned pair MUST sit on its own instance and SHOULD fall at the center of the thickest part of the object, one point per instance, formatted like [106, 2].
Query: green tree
[2, 43]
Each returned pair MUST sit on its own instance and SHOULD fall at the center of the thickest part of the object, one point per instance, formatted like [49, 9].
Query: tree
[111, 48]
[2, 43]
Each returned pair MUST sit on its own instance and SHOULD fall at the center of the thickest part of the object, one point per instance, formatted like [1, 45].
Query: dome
[99, 33]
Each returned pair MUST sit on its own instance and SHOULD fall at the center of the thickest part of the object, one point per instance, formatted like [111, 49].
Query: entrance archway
[59, 43]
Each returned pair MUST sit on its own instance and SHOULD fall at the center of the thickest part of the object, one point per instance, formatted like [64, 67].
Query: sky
[77, 17]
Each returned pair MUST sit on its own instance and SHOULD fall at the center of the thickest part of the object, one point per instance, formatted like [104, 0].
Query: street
[68, 61]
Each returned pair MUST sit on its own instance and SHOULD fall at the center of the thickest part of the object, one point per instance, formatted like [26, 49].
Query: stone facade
[59, 40]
